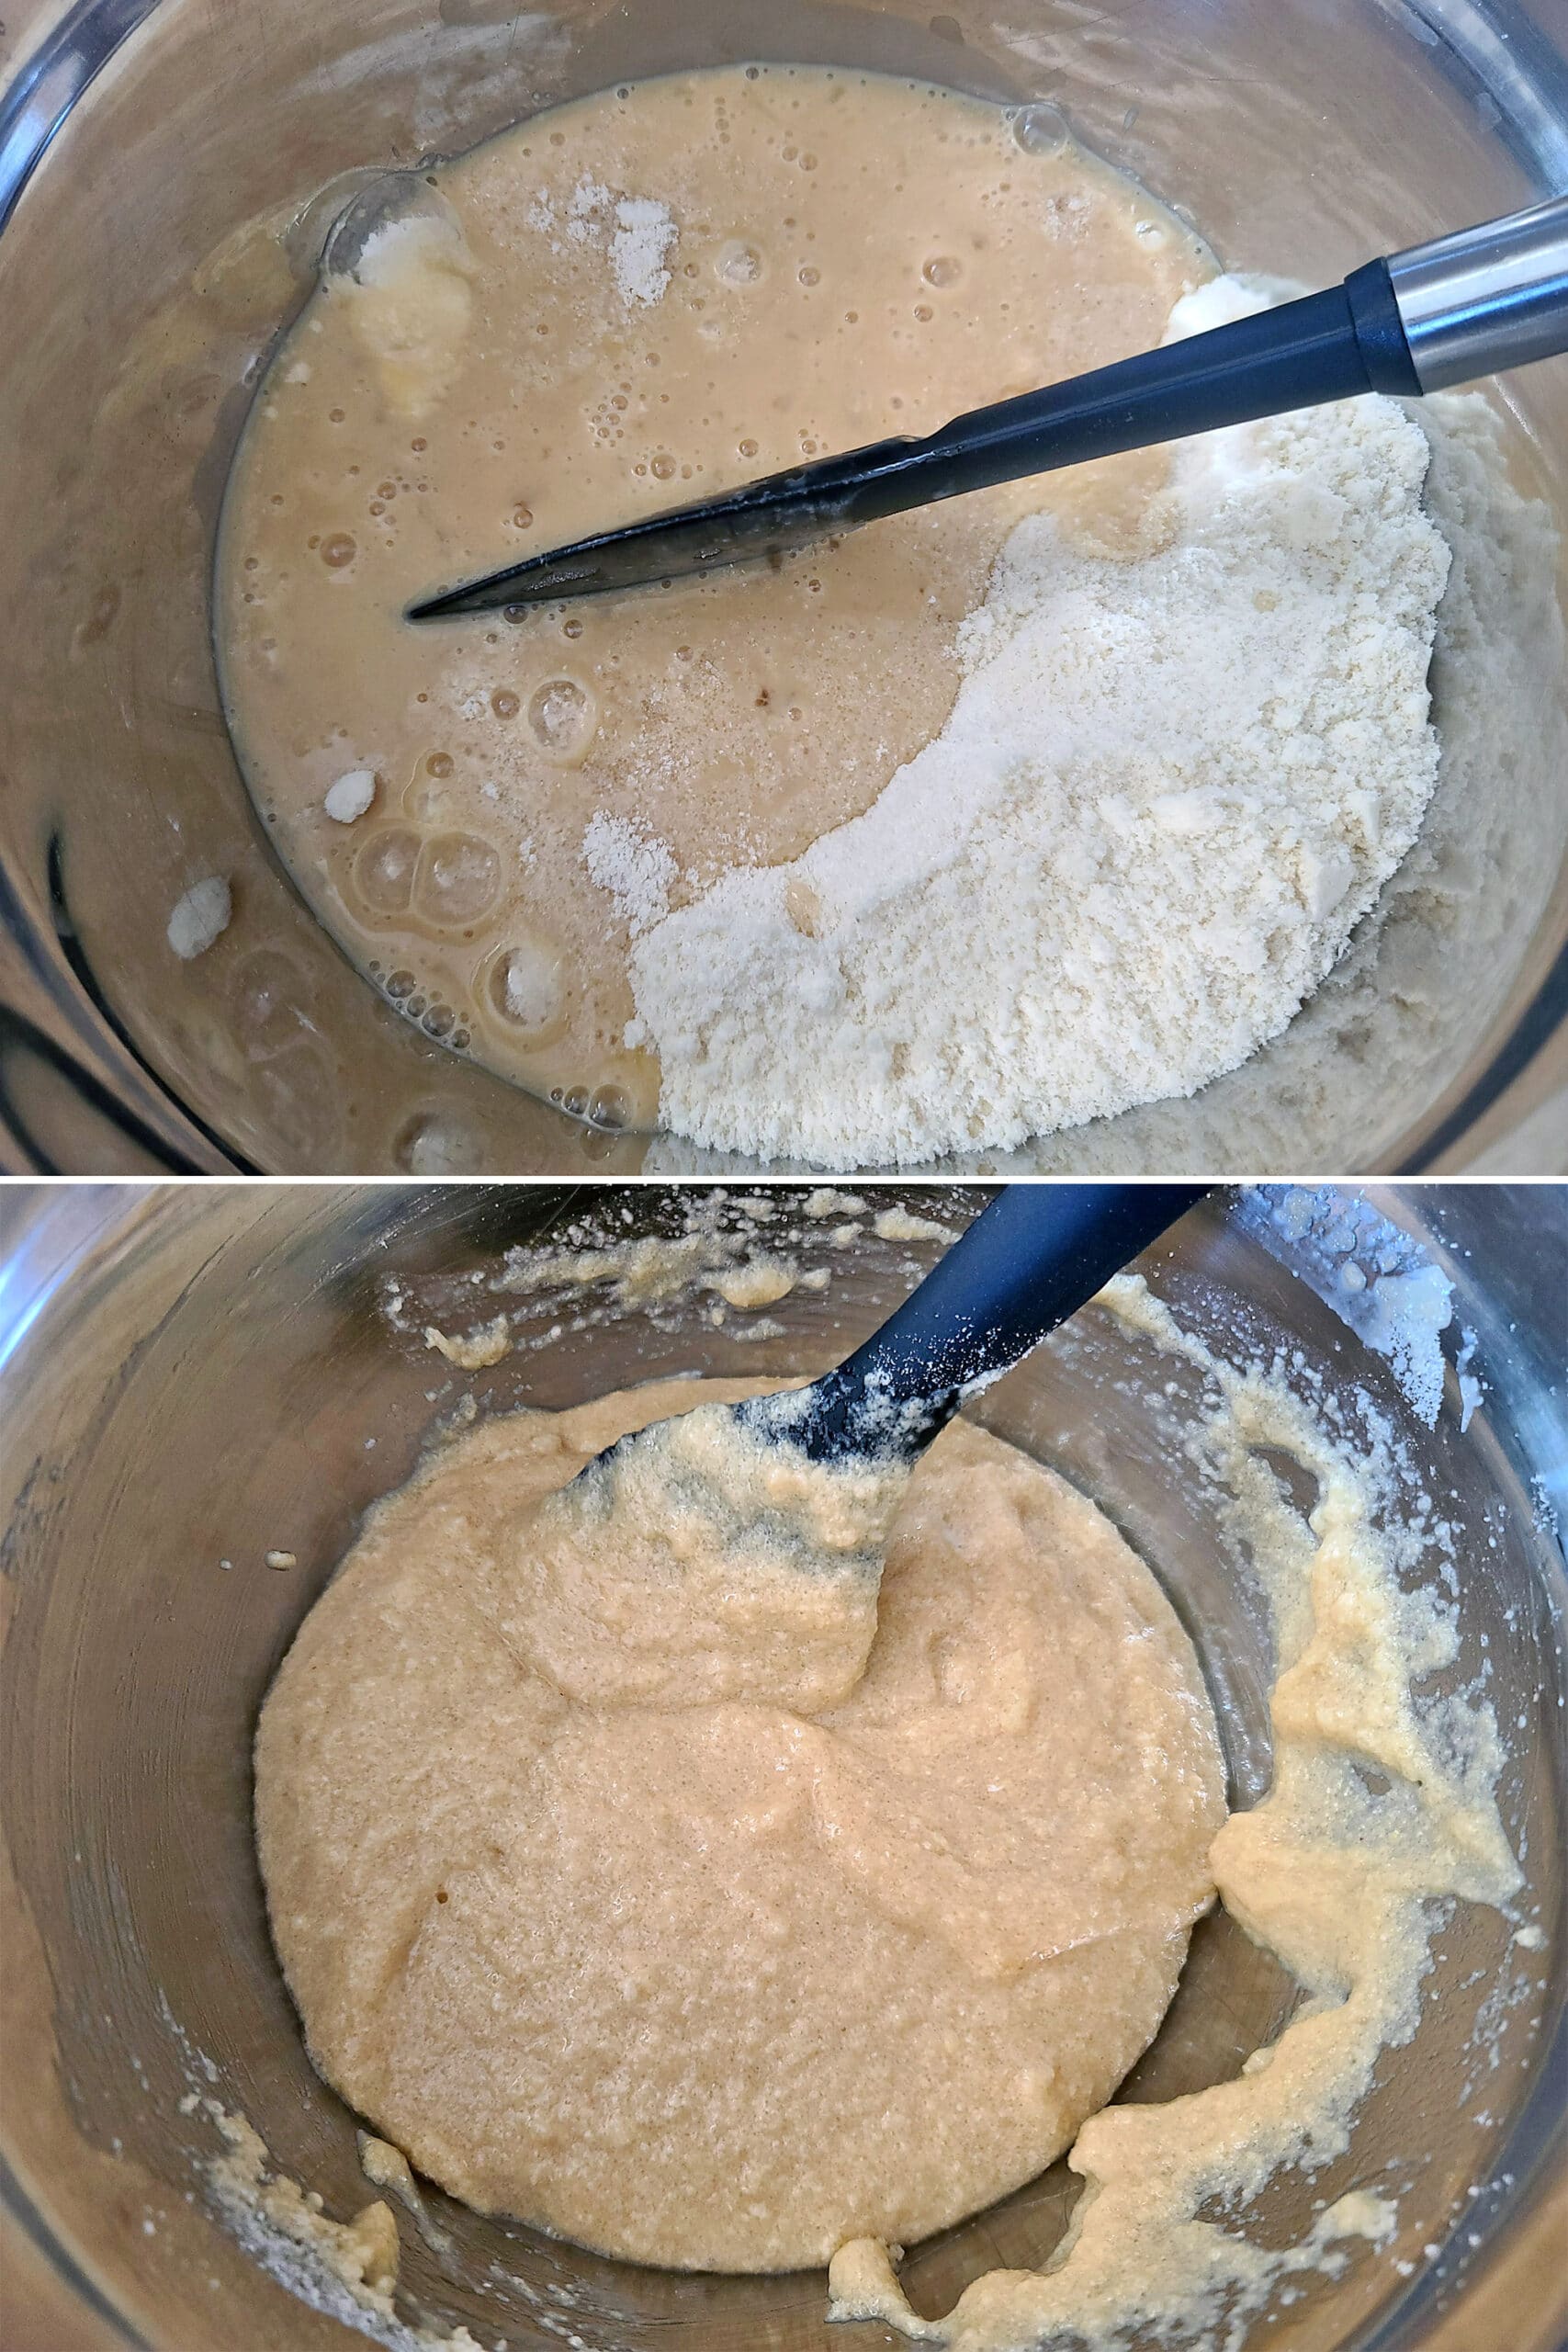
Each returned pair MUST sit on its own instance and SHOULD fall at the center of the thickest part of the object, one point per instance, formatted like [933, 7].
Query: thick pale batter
[1382, 1809]
[648, 296]
[714, 1910]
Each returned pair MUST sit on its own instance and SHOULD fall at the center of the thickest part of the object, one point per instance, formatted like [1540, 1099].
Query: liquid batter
[648, 296]
[715, 1910]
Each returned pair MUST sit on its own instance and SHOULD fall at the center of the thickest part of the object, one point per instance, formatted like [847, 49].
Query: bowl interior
[1302, 138]
[212, 1378]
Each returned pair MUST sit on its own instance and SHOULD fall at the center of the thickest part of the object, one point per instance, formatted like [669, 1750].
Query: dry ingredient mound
[1168, 790]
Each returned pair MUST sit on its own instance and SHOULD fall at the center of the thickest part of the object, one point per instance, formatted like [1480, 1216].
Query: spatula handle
[1496, 295]
[1487, 297]
[1491, 297]
[1028, 1261]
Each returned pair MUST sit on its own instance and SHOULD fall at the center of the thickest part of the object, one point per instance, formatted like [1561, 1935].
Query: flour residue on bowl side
[348, 2269]
[1380, 1807]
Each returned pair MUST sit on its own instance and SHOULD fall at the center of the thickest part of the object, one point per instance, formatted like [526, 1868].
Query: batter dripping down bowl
[1299, 140]
[201, 1396]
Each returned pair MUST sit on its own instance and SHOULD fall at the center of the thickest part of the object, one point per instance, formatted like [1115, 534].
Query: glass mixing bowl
[191, 1377]
[163, 167]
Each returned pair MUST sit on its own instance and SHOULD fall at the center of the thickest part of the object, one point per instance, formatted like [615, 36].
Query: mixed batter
[637, 299]
[645, 1865]
[673, 1885]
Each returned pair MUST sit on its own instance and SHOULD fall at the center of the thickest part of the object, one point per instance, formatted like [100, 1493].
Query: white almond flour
[348, 799]
[1166, 793]
[640, 239]
[636, 869]
[645, 231]
[199, 918]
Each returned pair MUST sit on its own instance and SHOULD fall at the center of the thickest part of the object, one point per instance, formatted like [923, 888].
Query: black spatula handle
[1028, 1261]
[1496, 295]
[1326, 346]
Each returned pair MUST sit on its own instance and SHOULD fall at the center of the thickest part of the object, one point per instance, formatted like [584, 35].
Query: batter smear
[714, 1908]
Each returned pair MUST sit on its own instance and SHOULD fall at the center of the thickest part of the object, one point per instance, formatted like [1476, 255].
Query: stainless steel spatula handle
[1487, 297]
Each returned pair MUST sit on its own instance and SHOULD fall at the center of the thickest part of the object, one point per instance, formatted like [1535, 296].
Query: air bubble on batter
[267, 999]
[609, 1107]
[526, 986]
[739, 263]
[564, 717]
[434, 1143]
[391, 199]
[382, 877]
[1040, 130]
[457, 879]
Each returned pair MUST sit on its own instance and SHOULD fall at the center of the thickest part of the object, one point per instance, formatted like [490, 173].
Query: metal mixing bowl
[159, 219]
[191, 1378]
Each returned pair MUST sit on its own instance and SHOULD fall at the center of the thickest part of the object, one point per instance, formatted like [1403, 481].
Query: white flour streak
[635, 868]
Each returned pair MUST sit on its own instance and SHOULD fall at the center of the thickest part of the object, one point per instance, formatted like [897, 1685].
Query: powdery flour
[1166, 793]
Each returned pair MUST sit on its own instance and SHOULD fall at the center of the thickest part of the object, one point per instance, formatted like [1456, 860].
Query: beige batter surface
[699, 1900]
[651, 295]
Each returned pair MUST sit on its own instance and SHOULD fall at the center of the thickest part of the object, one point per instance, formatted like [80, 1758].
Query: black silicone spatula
[1437, 315]
[1030, 1260]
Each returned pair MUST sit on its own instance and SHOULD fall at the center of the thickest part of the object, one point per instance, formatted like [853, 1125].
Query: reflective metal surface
[161, 166]
[1487, 297]
[192, 1379]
